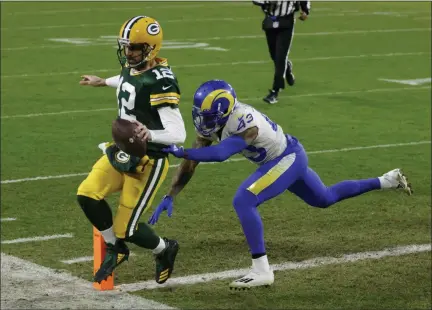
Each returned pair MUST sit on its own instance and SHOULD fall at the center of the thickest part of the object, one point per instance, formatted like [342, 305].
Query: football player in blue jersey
[282, 165]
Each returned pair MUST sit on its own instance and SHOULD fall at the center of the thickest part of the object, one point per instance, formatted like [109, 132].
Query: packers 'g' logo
[122, 157]
[153, 29]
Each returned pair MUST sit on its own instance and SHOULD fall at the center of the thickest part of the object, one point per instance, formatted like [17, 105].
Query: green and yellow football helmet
[140, 33]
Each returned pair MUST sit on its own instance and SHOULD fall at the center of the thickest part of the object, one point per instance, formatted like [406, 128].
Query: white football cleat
[253, 279]
[397, 179]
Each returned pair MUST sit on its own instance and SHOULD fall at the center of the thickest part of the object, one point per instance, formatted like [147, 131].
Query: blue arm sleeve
[217, 153]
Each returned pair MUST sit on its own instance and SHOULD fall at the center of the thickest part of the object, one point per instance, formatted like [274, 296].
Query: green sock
[144, 237]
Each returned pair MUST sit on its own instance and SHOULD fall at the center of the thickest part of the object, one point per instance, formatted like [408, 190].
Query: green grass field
[51, 126]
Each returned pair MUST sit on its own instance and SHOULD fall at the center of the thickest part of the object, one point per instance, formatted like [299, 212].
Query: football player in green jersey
[148, 94]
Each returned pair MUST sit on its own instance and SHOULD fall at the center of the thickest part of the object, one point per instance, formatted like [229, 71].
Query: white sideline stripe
[84, 259]
[45, 288]
[7, 219]
[306, 264]
[56, 113]
[217, 64]
[312, 34]
[232, 19]
[245, 99]
[226, 38]
[40, 238]
[186, 6]
[347, 149]
[177, 7]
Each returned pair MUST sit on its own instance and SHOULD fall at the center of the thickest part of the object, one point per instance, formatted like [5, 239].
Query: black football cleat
[115, 255]
[165, 261]
[290, 78]
[272, 97]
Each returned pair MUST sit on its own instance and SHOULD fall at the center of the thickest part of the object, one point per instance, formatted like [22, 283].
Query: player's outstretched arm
[217, 153]
[95, 81]
[186, 169]
[183, 175]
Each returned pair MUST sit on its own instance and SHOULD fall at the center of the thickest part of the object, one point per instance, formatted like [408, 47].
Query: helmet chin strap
[139, 66]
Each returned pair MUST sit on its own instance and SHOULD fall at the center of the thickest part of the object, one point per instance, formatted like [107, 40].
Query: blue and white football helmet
[213, 103]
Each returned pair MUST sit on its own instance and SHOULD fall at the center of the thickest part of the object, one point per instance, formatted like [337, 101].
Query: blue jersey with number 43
[270, 142]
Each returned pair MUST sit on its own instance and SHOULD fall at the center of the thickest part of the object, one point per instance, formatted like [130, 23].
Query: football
[124, 137]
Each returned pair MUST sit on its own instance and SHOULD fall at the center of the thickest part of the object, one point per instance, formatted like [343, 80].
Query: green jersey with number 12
[141, 94]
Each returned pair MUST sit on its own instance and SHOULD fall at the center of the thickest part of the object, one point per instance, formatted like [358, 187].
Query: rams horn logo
[122, 157]
[153, 29]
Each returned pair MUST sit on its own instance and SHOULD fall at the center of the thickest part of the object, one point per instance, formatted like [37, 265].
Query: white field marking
[218, 19]
[375, 90]
[48, 177]
[347, 149]
[25, 285]
[235, 63]
[249, 99]
[306, 264]
[315, 34]
[186, 6]
[84, 259]
[40, 238]
[224, 19]
[7, 219]
[103, 9]
[413, 82]
[182, 6]
[56, 113]
[225, 38]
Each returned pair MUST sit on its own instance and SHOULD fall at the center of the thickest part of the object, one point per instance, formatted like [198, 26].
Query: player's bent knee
[85, 201]
[88, 190]
[244, 199]
[321, 203]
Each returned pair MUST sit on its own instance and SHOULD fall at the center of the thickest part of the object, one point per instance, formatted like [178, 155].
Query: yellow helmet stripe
[128, 27]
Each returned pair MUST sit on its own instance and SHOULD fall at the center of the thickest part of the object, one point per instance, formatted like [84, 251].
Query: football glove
[166, 204]
[178, 152]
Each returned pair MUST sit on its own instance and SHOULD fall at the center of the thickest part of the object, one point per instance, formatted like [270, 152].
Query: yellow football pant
[137, 190]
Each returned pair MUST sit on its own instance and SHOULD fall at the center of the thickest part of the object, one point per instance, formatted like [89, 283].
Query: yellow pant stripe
[272, 175]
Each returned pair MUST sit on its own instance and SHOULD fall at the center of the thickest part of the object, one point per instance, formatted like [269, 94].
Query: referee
[278, 25]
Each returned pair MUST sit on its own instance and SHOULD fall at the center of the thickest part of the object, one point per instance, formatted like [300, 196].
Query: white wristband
[113, 81]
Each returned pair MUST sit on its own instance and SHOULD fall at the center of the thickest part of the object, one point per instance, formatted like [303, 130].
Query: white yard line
[83, 259]
[234, 63]
[217, 19]
[40, 238]
[327, 33]
[56, 113]
[48, 177]
[306, 264]
[347, 149]
[250, 99]
[236, 37]
[25, 285]
[119, 9]
[7, 219]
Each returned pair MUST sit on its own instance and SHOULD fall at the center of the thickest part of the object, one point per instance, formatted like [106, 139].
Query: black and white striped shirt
[283, 8]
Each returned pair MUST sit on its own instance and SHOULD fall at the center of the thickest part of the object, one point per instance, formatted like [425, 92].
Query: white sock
[161, 246]
[108, 235]
[261, 264]
[384, 182]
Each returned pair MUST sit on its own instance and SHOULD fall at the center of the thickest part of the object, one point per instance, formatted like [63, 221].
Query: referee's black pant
[279, 38]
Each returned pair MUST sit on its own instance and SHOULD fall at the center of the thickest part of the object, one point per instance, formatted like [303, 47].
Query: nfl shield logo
[275, 24]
